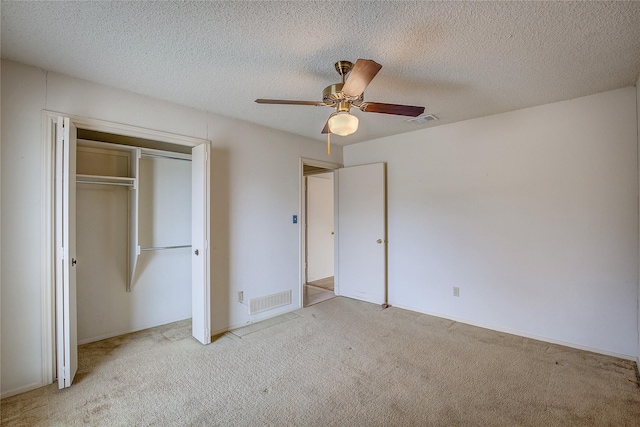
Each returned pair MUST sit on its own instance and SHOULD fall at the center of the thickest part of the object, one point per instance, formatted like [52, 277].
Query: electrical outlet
[456, 291]
[240, 296]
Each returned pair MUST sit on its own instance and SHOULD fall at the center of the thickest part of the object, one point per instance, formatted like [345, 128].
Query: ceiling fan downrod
[343, 68]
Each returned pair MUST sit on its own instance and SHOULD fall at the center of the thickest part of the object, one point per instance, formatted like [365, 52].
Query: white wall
[21, 270]
[533, 214]
[161, 292]
[255, 190]
[320, 240]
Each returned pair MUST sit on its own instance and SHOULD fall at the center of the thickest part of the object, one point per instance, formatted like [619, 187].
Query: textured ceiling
[458, 59]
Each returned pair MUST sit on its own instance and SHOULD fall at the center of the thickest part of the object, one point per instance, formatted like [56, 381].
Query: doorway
[319, 237]
[360, 230]
[317, 232]
[113, 296]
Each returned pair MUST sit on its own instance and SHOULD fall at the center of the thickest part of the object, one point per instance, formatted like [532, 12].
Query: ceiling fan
[350, 93]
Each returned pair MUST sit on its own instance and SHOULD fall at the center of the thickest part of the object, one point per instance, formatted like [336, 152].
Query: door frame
[47, 252]
[302, 221]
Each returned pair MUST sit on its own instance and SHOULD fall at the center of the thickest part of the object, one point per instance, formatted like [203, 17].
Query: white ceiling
[458, 59]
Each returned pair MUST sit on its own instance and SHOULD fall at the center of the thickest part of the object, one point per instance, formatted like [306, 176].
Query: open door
[66, 313]
[362, 231]
[200, 260]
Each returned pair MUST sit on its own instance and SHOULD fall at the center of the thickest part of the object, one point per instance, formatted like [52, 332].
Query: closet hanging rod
[123, 184]
[163, 248]
[160, 156]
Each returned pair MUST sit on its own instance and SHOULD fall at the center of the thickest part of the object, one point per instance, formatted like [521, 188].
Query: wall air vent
[269, 302]
[422, 119]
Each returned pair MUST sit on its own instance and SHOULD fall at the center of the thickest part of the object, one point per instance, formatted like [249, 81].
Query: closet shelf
[164, 248]
[107, 180]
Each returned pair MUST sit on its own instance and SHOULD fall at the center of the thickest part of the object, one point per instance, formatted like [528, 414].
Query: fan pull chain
[329, 144]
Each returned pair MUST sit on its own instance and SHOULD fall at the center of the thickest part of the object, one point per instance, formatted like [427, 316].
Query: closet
[126, 235]
[133, 237]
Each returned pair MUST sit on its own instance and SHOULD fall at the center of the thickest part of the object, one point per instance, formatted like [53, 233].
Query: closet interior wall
[160, 292]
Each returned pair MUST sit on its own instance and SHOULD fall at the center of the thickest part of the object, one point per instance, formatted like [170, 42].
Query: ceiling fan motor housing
[332, 95]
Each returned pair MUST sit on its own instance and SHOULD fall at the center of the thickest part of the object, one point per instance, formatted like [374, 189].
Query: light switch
[295, 219]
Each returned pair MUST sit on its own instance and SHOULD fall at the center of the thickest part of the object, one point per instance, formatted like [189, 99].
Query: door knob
[197, 252]
[379, 241]
[73, 262]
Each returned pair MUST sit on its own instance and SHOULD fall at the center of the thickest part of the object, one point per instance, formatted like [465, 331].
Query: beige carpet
[326, 283]
[337, 363]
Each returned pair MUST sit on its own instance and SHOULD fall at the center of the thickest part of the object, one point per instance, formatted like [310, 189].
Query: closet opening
[133, 235]
[126, 231]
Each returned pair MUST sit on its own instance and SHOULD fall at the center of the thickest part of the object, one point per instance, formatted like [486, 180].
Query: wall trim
[129, 130]
[638, 177]
[320, 163]
[47, 252]
[118, 333]
[251, 322]
[21, 390]
[521, 334]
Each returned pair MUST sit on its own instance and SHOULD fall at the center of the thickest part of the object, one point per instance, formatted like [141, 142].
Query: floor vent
[269, 302]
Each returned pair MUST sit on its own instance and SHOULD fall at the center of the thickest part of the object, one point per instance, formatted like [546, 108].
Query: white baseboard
[21, 390]
[252, 321]
[118, 333]
[522, 334]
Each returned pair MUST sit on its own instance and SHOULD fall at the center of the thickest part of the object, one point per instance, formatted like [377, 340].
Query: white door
[319, 226]
[66, 313]
[200, 260]
[361, 222]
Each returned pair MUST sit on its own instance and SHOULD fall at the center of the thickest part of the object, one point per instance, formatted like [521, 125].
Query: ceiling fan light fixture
[343, 123]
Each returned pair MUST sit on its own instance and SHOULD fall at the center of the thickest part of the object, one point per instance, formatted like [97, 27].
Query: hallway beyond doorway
[314, 294]
[326, 283]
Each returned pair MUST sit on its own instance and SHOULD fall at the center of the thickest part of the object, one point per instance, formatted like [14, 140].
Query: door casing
[302, 220]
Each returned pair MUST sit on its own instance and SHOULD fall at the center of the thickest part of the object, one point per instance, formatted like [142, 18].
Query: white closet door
[200, 260]
[362, 254]
[66, 313]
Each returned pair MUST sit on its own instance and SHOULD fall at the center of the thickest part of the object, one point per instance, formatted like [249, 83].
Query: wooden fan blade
[288, 102]
[399, 110]
[361, 75]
